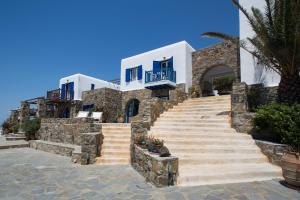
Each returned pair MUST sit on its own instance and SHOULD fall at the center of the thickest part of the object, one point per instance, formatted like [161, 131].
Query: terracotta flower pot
[290, 164]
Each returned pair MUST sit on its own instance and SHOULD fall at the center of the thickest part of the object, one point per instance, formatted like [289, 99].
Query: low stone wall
[66, 130]
[160, 171]
[90, 147]
[273, 151]
[57, 148]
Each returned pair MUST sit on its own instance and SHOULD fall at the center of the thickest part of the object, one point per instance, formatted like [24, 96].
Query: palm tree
[276, 43]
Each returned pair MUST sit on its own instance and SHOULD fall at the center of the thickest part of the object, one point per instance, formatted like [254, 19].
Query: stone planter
[160, 171]
[290, 164]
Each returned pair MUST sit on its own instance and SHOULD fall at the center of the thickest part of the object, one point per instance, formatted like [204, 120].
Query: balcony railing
[151, 77]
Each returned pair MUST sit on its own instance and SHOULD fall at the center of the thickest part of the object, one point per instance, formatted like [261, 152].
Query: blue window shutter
[156, 67]
[127, 75]
[72, 90]
[170, 64]
[63, 91]
[140, 72]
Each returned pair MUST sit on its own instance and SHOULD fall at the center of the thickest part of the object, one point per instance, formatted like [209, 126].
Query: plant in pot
[30, 127]
[223, 84]
[194, 92]
[283, 122]
[154, 144]
[120, 117]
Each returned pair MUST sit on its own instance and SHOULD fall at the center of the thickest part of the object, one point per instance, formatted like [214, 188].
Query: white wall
[251, 73]
[83, 83]
[182, 64]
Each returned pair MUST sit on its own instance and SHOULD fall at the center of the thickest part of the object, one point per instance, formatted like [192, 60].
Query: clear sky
[44, 40]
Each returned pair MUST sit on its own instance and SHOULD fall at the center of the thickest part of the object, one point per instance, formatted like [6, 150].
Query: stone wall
[273, 151]
[222, 54]
[105, 100]
[41, 108]
[178, 94]
[24, 111]
[160, 171]
[244, 99]
[90, 147]
[75, 108]
[66, 130]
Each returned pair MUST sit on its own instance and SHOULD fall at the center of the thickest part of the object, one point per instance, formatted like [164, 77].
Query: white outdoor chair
[82, 114]
[97, 116]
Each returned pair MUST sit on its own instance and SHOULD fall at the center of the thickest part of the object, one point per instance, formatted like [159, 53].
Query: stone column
[41, 108]
[24, 111]
[90, 147]
[241, 117]
[75, 108]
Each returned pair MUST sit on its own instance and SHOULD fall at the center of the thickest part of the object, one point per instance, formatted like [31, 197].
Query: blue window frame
[135, 73]
[92, 86]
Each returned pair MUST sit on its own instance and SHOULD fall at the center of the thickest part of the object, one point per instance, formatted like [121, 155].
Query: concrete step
[199, 134]
[112, 152]
[231, 173]
[116, 125]
[112, 161]
[195, 109]
[197, 105]
[117, 136]
[192, 129]
[208, 141]
[193, 120]
[218, 160]
[12, 138]
[192, 124]
[109, 141]
[191, 115]
[213, 149]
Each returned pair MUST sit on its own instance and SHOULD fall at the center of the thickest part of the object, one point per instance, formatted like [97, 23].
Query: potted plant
[194, 92]
[120, 117]
[283, 121]
[223, 85]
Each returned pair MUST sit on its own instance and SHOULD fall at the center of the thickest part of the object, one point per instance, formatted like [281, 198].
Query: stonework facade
[104, 100]
[157, 170]
[66, 130]
[24, 111]
[222, 54]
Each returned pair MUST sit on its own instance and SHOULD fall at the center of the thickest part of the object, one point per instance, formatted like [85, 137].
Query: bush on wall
[30, 127]
[281, 121]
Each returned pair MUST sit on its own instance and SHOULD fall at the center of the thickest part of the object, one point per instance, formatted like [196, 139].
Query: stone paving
[30, 174]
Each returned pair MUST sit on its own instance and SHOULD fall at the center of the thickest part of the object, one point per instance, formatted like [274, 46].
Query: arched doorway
[217, 81]
[132, 109]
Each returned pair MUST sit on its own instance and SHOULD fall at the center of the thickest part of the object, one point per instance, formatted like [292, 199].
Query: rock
[164, 152]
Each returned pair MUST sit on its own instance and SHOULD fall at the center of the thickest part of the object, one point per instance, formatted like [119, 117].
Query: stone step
[221, 154]
[191, 115]
[116, 141]
[116, 125]
[199, 135]
[117, 136]
[211, 98]
[192, 129]
[195, 109]
[196, 105]
[111, 152]
[12, 138]
[193, 120]
[222, 174]
[118, 147]
[208, 141]
[192, 124]
[213, 149]
[112, 161]
[218, 160]
[197, 112]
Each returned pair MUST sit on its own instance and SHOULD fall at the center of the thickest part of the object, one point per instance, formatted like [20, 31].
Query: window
[92, 86]
[133, 73]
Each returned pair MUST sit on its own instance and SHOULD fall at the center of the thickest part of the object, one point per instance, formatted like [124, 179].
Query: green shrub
[282, 121]
[223, 84]
[15, 128]
[30, 127]
[254, 98]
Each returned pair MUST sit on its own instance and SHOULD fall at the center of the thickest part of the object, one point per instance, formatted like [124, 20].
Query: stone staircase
[116, 144]
[198, 131]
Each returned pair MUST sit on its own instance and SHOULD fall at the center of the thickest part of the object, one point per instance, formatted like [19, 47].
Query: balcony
[160, 79]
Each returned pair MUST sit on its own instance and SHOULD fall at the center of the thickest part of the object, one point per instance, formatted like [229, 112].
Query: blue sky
[42, 41]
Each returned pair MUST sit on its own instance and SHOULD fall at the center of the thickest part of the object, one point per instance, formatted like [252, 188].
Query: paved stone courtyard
[29, 174]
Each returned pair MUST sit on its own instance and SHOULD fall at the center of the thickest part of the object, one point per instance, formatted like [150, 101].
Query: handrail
[151, 77]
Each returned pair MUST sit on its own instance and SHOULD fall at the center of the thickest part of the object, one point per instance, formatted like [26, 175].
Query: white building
[73, 86]
[159, 68]
[251, 71]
